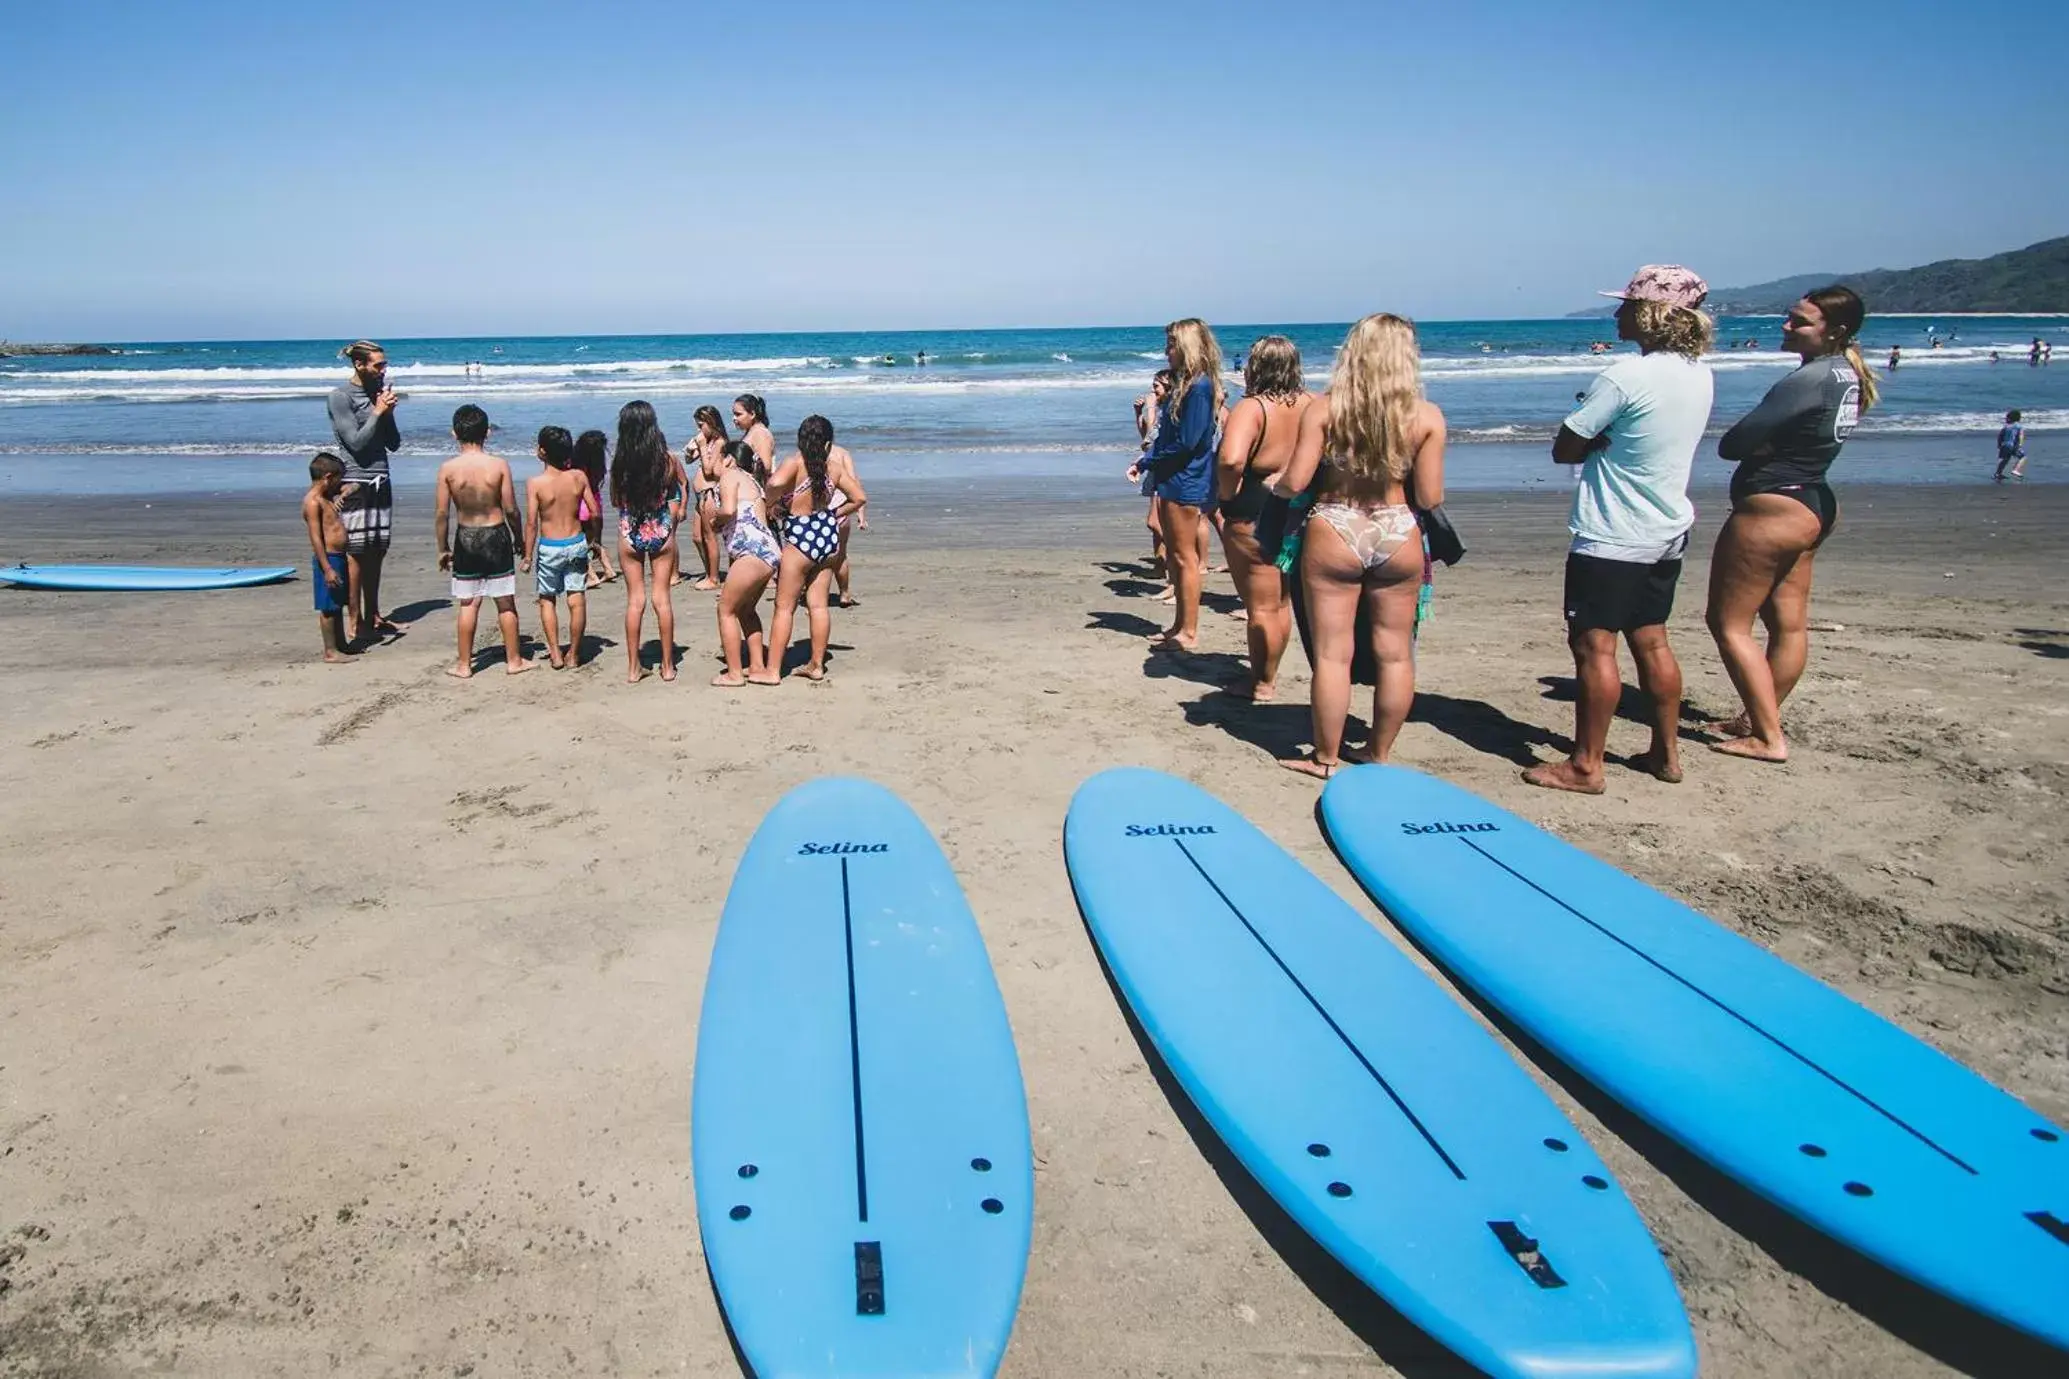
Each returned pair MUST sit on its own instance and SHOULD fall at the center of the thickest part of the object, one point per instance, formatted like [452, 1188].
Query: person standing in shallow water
[362, 417]
[1781, 512]
[1181, 460]
[1634, 435]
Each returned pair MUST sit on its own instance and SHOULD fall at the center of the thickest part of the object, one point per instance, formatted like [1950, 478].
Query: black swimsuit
[1787, 443]
[1253, 497]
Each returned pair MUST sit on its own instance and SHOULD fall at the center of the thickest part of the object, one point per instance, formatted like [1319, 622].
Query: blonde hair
[1272, 369]
[1373, 393]
[1680, 330]
[1199, 356]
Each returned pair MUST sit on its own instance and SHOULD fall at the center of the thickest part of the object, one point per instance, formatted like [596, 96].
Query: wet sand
[347, 1014]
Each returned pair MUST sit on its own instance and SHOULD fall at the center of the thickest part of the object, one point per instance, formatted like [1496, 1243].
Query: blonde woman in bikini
[1373, 446]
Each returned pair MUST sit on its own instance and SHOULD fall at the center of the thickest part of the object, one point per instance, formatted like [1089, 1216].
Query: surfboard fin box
[1523, 1249]
[869, 1278]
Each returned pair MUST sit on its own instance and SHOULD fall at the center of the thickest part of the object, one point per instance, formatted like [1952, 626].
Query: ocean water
[226, 413]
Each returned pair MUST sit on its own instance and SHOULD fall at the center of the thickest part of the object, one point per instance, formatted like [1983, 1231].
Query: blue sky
[285, 169]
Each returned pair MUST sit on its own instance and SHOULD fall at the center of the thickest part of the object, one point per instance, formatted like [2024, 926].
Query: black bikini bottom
[1818, 497]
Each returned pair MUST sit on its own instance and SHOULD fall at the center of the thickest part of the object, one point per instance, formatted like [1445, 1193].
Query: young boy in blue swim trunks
[327, 540]
[559, 554]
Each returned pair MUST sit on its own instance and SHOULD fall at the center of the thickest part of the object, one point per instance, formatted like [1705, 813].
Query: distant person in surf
[1634, 437]
[1896, 357]
[2011, 446]
[362, 417]
[1782, 510]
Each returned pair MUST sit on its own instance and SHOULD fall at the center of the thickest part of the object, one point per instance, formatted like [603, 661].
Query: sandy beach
[347, 1015]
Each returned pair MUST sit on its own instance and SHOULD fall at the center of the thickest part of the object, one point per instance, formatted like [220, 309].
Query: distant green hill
[2033, 279]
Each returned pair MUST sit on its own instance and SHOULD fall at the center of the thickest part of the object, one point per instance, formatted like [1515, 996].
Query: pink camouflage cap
[1665, 282]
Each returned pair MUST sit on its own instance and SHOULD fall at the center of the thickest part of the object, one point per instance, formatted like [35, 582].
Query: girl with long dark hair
[708, 451]
[589, 458]
[805, 486]
[1781, 512]
[647, 489]
[751, 417]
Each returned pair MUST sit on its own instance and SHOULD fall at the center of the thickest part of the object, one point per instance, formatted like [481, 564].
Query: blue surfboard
[1819, 1105]
[140, 578]
[859, 1140]
[1386, 1122]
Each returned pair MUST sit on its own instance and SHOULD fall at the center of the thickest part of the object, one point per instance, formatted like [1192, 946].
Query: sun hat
[1665, 282]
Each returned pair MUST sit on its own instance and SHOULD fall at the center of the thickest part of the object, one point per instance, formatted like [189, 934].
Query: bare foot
[1659, 766]
[384, 626]
[338, 658]
[764, 679]
[1168, 596]
[556, 660]
[668, 672]
[1563, 775]
[1740, 726]
[848, 601]
[520, 667]
[1262, 694]
[706, 584]
[635, 675]
[460, 672]
[1752, 749]
[1171, 641]
[811, 672]
[1242, 613]
[728, 680]
[1311, 766]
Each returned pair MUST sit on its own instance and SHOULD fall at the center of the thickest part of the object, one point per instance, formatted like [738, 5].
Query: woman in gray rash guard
[1781, 512]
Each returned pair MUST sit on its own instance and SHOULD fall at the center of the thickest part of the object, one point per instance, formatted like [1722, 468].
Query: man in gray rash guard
[362, 416]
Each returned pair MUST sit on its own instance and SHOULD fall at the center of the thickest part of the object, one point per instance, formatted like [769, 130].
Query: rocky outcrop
[10, 347]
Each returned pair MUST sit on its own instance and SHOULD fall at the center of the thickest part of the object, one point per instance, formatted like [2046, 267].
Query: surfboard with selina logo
[1385, 1121]
[859, 1135]
[1818, 1104]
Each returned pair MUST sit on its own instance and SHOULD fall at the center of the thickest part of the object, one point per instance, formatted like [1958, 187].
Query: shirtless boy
[481, 550]
[327, 540]
[559, 551]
